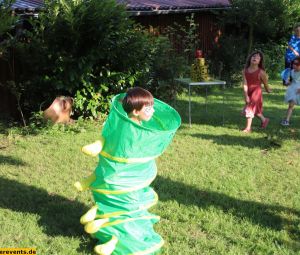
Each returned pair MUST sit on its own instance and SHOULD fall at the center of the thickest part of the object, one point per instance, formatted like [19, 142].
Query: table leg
[205, 99]
[190, 117]
[223, 88]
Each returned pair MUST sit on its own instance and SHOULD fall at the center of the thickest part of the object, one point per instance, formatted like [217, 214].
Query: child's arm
[245, 88]
[264, 79]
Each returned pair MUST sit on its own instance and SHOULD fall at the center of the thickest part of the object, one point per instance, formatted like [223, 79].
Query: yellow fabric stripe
[127, 160]
[117, 222]
[122, 191]
[152, 249]
[114, 214]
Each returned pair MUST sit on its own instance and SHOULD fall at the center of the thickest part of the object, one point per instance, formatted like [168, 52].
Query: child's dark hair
[295, 59]
[261, 63]
[292, 63]
[136, 98]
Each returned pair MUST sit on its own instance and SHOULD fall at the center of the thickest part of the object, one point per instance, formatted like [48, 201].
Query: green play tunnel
[120, 183]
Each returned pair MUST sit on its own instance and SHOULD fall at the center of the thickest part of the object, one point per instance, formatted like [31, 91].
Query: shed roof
[140, 6]
[28, 5]
[173, 4]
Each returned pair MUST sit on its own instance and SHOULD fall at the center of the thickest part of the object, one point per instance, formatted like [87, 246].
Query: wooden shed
[156, 15]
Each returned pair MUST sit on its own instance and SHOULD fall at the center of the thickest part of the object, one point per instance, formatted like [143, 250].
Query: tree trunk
[250, 38]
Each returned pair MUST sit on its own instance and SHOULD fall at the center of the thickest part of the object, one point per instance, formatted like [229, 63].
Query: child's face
[296, 65]
[146, 112]
[255, 59]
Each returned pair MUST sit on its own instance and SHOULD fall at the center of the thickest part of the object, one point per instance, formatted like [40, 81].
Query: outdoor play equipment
[120, 183]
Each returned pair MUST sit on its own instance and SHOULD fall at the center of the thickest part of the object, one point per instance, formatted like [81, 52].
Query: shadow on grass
[8, 160]
[59, 216]
[231, 113]
[213, 116]
[245, 141]
[265, 215]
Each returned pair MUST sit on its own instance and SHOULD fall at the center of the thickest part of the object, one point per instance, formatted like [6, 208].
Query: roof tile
[139, 5]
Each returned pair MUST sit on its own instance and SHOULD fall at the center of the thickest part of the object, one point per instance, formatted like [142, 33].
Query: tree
[88, 49]
[7, 22]
[263, 20]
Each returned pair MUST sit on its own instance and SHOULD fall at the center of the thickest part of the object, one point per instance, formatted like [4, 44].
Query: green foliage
[87, 49]
[166, 65]
[88, 100]
[38, 125]
[186, 36]
[249, 25]
[7, 23]
[274, 57]
[228, 59]
[168, 60]
[256, 19]
[230, 65]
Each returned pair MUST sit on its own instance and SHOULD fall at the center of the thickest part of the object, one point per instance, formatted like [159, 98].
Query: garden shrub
[165, 65]
[231, 55]
[274, 58]
[86, 49]
[228, 58]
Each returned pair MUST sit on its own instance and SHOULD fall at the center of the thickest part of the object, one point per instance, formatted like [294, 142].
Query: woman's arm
[292, 42]
[293, 50]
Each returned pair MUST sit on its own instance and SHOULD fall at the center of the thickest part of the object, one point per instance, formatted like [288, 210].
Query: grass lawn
[221, 191]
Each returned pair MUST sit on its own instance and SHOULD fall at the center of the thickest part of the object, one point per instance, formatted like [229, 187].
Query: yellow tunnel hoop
[114, 214]
[117, 222]
[127, 160]
[123, 191]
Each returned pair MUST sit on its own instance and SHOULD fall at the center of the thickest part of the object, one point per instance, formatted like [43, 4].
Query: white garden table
[188, 82]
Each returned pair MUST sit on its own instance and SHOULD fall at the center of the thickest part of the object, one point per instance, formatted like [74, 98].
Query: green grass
[221, 191]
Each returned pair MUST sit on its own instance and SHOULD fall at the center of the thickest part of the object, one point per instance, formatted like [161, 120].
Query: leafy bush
[7, 23]
[165, 65]
[228, 58]
[274, 58]
[170, 59]
[250, 25]
[87, 49]
[231, 57]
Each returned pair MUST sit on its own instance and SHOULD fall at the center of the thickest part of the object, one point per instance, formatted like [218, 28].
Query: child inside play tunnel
[138, 129]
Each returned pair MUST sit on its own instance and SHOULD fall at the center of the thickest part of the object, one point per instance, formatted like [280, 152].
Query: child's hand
[269, 90]
[247, 99]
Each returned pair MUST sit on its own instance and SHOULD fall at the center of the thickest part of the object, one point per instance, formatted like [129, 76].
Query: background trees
[256, 24]
[87, 49]
[92, 50]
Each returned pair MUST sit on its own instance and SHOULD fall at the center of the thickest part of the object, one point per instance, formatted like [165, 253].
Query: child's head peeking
[296, 64]
[138, 104]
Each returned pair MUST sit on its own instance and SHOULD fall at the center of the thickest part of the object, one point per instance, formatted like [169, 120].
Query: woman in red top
[253, 76]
